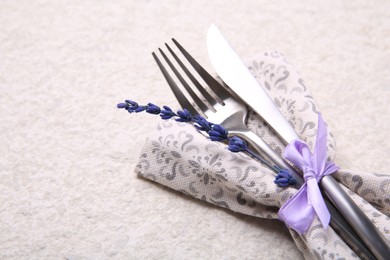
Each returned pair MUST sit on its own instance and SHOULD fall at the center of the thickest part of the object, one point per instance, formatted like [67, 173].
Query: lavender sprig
[216, 133]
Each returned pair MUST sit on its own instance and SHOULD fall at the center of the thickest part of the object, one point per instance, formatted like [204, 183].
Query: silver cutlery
[223, 108]
[236, 75]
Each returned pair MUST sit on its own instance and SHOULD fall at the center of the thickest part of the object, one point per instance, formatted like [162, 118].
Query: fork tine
[193, 95]
[214, 85]
[184, 102]
[212, 101]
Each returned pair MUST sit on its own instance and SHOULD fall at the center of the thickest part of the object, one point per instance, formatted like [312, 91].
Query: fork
[225, 109]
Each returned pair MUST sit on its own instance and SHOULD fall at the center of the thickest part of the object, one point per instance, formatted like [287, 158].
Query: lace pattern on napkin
[182, 159]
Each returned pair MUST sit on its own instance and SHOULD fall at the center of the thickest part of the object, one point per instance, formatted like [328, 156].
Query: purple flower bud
[167, 113]
[122, 105]
[236, 144]
[202, 124]
[184, 116]
[139, 109]
[131, 106]
[218, 133]
[284, 178]
[153, 109]
[132, 103]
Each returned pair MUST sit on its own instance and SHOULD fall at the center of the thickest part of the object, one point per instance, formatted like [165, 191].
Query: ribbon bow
[299, 211]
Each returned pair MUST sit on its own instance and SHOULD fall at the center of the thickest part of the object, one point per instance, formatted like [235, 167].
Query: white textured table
[67, 186]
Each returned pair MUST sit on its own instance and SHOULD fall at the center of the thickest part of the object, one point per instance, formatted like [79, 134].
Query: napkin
[178, 156]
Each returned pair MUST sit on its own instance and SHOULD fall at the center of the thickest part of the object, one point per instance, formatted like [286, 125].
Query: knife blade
[236, 75]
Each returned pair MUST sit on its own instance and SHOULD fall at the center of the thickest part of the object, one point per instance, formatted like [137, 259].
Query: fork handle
[338, 223]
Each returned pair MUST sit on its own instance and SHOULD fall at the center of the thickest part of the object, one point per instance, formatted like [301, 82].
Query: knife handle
[338, 222]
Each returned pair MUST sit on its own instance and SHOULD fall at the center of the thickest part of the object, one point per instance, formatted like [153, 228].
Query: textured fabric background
[67, 156]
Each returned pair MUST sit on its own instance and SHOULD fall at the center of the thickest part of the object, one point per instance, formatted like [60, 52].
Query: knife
[236, 75]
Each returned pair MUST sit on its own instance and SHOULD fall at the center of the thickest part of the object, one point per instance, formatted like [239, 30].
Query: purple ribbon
[299, 211]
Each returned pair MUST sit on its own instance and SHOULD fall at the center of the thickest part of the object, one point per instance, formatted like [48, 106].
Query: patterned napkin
[177, 156]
